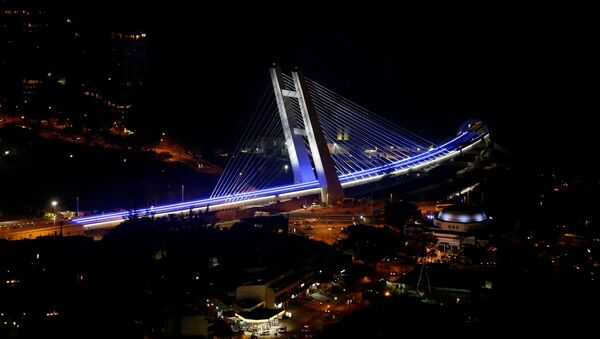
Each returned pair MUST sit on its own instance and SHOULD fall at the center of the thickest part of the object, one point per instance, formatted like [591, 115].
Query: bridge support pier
[331, 189]
[299, 159]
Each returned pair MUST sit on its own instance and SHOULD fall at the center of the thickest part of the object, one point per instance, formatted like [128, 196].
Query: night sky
[526, 77]
[531, 90]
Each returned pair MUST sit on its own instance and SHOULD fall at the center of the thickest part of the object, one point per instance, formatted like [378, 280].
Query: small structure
[458, 225]
[461, 218]
[255, 307]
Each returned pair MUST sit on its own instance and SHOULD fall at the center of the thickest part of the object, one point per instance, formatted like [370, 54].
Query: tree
[398, 213]
[222, 329]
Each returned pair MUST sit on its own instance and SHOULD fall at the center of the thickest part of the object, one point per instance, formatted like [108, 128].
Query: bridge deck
[451, 149]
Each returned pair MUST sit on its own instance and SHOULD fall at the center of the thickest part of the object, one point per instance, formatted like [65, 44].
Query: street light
[54, 204]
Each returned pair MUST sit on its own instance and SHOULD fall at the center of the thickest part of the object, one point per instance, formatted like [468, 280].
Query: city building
[459, 225]
[261, 306]
[120, 86]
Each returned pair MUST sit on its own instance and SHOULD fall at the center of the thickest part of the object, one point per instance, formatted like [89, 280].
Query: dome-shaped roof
[462, 214]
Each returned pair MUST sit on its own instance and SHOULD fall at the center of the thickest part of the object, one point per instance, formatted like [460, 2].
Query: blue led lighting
[461, 141]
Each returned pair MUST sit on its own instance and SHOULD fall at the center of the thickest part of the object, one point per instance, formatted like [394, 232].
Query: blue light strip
[463, 140]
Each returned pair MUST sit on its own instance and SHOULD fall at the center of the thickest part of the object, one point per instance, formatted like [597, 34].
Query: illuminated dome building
[459, 225]
[460, 218]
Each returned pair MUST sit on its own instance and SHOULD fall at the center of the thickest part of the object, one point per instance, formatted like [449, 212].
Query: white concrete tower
[331, 189]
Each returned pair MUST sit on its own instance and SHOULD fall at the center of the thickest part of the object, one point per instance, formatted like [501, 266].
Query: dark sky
[531, 88]
[528, 78]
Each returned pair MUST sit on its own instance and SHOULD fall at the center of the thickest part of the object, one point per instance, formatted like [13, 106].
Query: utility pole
[77, 213]
[182, 192]
[420, 276]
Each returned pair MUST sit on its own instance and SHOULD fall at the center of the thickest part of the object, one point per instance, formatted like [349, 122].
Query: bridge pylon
[331, 189]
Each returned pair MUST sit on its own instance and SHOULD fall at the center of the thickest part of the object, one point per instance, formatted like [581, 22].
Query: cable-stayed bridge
[305, 139]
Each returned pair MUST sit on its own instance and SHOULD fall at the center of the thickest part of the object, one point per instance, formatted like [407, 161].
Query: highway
[40, 229]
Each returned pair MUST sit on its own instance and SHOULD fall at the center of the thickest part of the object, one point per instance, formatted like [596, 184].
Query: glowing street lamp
[54, 204]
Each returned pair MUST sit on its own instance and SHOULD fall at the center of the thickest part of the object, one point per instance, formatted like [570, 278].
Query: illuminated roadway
[462, 142]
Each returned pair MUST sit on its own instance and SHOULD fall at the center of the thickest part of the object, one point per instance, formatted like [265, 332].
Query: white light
[54, 203]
